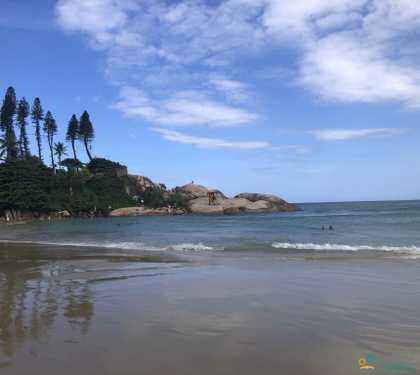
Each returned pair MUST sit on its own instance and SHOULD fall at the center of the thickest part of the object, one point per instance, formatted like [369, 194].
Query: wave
[196, 247]
[338, 247]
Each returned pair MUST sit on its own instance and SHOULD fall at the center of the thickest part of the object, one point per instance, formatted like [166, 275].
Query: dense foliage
[154, 197]
[27, 184]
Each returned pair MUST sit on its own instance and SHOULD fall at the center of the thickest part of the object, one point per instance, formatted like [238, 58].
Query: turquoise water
[359, 228]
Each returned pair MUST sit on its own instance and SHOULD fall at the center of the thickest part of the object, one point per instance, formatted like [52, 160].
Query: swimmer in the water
[331, 227]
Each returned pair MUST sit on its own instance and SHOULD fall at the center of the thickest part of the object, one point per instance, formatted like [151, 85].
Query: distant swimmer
[331, 227]
[323, 227]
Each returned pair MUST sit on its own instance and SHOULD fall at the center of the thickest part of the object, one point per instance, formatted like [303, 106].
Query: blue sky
[311, 100]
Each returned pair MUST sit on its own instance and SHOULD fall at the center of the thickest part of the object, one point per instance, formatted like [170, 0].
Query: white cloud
[100, 19]
[235, 90]
[210, 143]
[351, 50]
[347, 134]
[181, 109]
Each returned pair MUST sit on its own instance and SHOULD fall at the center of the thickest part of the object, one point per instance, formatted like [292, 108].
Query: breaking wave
[196, 247]
[338, 247]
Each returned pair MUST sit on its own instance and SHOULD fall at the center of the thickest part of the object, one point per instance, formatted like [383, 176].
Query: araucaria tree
[8, 111]
[86, 132]
[73, 133]
[50, 128]
[22, 114]
[37, 115]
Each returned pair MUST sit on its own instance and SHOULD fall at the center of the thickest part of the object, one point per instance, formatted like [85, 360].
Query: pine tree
[8, 111]
[86, 132]
[50, 128]
[37, 116]
[73, 133]
[22, 114]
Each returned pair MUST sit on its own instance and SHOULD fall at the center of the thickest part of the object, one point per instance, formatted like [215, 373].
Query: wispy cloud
[181, 109]
[347, 134]
[210, 143]
[235, 90]
[351, 50]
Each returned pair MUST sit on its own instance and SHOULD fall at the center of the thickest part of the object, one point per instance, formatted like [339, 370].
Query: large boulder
[138, 211]
[193, 191]
[201, 206]
[276, 203]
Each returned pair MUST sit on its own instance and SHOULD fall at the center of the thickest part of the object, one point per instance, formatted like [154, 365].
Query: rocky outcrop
[141, 211]
[275, 202]
[198, 199]
[138, 184]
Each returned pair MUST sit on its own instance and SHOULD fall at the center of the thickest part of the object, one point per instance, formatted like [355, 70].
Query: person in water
[331, 227]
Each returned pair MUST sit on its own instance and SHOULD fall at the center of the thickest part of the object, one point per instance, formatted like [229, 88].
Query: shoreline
[112, 313]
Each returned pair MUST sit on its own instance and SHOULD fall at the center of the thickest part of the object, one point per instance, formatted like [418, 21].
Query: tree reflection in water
[32, 297]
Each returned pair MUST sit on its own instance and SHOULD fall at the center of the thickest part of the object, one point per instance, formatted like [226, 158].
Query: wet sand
[93, 311]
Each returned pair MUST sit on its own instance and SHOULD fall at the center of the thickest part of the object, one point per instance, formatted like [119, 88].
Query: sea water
[357, 229]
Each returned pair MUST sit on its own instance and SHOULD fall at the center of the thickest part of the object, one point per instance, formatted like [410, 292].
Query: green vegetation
[154, 197]
[27, 184]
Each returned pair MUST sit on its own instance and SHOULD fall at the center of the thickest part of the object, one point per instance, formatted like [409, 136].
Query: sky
[312, 100]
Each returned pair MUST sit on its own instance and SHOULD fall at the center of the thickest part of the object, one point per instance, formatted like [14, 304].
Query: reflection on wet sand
[31, 298]
[39, 287]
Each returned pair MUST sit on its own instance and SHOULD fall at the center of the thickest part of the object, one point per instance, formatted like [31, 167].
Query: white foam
[123, 245]
[193, 247]
[338, 247]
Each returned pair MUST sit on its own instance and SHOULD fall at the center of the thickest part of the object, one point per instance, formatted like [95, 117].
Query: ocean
[359, 229]
[267, 294]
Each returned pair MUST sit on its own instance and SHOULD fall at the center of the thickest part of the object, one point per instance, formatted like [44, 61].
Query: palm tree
[60, 149]
[86, 132]
[73, 133]
[50, 127]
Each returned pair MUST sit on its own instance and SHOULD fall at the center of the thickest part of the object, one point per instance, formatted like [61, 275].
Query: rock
[235, 205]
[138, 184]
[63, 214]
[193, 191]
[201, 206]
[138, 211]
[277, 204]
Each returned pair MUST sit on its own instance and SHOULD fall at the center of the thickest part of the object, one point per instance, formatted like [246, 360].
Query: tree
[72, 164]
[86, 132]
[37, 115]
[73, 133]
[2, 149]
[50, 128]
[8, 111]
[60, 149]
[22, 114]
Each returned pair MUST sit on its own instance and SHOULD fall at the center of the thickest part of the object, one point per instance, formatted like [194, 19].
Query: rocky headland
[201, 200]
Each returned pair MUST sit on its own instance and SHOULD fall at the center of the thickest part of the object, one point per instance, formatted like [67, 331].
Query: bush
[178, 200]
[153, 197]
